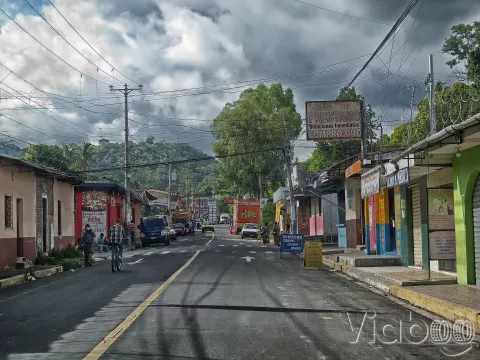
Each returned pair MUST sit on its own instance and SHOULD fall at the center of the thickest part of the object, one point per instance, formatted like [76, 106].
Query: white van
[224, 218]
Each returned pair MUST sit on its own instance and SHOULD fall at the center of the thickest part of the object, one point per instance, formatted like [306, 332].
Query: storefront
[370, 188]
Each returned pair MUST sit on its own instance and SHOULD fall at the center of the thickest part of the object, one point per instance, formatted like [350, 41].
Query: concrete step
[361, 247]
[362, 260]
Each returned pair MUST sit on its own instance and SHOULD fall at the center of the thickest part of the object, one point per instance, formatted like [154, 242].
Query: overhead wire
[50, 51]
[91, 47]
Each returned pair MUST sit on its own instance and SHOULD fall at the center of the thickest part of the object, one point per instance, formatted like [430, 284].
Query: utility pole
[260, 187]
[289, 174]
[169, 192]
[127, 215]
[431, 78]
[411, 114]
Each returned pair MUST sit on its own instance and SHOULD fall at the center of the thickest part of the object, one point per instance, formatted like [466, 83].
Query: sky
[193, 56]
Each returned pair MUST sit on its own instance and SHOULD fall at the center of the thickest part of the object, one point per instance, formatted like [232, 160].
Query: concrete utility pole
[169, 192]
[293, 214]
[411, 114]
[127, 215]
[260, 187]
[431, 78]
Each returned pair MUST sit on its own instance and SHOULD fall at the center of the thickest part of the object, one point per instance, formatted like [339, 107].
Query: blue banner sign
[291, 243]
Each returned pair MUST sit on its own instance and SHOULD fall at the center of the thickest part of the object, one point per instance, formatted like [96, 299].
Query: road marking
[248, 258]
[103, 346]
[183, 251]
[221, 245]
[235, 245]
[136, 262]
[253, 252]
[234, 251]
[148, 253]
[217, 250]
[249, 245]
[327, 318]
[208, 243]
[166, 252]
[268, 252]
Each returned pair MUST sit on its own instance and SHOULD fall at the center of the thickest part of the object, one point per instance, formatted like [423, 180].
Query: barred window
[8, 212]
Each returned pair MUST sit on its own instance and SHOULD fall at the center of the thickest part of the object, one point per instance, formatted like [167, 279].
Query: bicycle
[116, 258]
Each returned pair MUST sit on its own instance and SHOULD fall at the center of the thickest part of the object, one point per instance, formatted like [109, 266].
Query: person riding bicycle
[117, 235]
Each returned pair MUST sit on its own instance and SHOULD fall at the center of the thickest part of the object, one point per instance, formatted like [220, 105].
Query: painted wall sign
[442, 245]
[440, 209]
[370, 183]
[353, 169]
[334, 120]
[401, 177]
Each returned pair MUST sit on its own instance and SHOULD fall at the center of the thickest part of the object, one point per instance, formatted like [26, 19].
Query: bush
[44, 259]
[71, 263]
[70, 252]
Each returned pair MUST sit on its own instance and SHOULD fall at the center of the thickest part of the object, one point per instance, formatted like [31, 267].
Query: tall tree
[255, 122]
[464, 47]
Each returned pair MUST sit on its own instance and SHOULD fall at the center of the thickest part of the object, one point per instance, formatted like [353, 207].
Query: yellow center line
[103, 346]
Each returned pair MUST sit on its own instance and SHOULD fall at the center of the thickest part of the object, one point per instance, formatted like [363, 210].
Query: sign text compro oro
[334, 120]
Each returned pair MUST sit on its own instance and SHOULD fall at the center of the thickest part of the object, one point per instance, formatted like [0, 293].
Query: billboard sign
[370, 183]
[440, 209]
[442, 245]
[356, 167]
[334, 120]
[400, 177]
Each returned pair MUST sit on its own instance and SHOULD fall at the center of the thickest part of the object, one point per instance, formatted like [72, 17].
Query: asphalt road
[234, 300]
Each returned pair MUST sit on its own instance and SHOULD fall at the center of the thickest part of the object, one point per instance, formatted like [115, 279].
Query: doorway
[19, 222]
[44, 224]
[392, 246]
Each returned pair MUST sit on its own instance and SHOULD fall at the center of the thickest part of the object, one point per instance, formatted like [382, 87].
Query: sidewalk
[17, 276]
[440, 294]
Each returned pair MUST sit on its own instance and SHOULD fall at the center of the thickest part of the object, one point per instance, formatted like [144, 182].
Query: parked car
[250, 230]
[172, 234]
[179, 229]
[153, 230]
[208, 226]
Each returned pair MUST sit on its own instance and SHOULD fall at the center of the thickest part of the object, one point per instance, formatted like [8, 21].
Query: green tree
[268, 214]
[254, 122]
[464, 46]
[48, 155]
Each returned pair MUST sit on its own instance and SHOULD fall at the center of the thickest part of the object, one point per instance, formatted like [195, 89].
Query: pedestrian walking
[276, 234]
[87, 240]
[264, 232]
[288, 222]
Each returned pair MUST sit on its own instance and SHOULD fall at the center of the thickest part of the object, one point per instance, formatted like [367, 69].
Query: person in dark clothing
[87, 240]
[265, 234]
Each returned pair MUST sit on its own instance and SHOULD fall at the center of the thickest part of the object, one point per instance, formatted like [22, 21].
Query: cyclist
[117, 235]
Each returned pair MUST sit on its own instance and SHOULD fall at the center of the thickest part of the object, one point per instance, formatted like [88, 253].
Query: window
[8, 212]
[59, 217]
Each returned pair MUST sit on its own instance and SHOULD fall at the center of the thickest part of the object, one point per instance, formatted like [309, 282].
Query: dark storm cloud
[138, 9]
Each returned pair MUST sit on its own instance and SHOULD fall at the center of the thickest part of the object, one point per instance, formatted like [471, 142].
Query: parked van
[224, 218]
[153, 230]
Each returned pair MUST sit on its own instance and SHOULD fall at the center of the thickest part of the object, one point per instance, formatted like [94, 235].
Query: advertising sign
[370, 183]
[94, 212]
[353, 169]
[401, 177]
[440, 209]
[248, 214]
[334, 120]
[442, 245]
[291, 243]
[228, 201]
[313, 254]
[263, 202]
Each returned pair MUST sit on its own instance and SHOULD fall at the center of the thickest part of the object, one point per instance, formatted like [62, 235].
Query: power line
[91, 47]
[28, 127]
[341, 13]
[73, 47]
[399, 21]
[50, 51]
[180, 161]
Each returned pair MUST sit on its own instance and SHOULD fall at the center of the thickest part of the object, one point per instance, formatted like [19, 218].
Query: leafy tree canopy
[254, 122]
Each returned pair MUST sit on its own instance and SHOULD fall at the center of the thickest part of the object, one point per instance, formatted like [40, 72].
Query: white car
[250, 230]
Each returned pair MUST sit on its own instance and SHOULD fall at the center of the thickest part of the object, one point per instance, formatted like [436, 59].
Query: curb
[444, 308]
[19, 279]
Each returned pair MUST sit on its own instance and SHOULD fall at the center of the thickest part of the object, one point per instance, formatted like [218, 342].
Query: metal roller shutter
[476, 229]
[417, 226]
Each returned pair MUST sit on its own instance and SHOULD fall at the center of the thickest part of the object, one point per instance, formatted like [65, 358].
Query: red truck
[245, 212]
